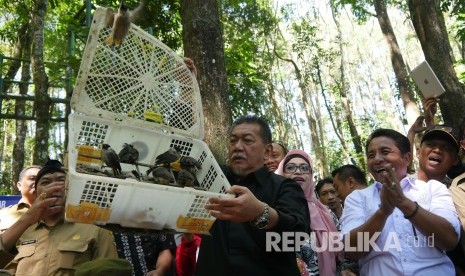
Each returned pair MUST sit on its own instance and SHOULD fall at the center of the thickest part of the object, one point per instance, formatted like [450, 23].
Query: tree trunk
[279, 128]
[20, 107]
[314, 100]
[292, 138]
[345, 101]
[305, 96]
[203, 42]
[430, 28]
[42, 102]
[17, 54]
[406, 94]
[5, 168]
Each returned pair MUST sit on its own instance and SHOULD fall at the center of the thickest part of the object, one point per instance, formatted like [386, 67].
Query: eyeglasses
[292, 168]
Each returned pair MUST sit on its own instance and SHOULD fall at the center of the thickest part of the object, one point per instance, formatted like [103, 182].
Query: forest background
[325, 73]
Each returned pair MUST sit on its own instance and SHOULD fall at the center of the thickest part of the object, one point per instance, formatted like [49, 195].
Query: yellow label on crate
[194, 225]
[89, 151]
[153, 116]
[88, 155]
[87, 213]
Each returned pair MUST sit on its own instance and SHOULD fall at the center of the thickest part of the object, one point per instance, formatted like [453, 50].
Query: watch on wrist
[262, 221]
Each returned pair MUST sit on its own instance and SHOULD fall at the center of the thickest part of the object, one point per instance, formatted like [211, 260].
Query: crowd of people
[402, 224]
[409, 221]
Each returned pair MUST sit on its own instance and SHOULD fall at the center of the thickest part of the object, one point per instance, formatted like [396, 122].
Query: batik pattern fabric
[143, 251]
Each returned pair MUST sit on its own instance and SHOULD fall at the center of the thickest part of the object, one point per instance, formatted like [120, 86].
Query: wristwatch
[262, 221]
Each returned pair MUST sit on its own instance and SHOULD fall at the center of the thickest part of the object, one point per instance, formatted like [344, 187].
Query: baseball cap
[444, 133]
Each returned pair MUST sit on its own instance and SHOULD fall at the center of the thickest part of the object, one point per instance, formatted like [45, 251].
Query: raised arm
[43, 205]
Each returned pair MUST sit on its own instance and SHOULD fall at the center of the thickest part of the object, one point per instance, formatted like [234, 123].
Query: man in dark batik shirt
[149, 254]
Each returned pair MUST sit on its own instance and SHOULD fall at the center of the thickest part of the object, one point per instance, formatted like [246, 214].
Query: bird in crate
[188, 179]
[120, 23]
[129, 155]
[165, 159]
[190, 164]
[111, 159]
[162, 175]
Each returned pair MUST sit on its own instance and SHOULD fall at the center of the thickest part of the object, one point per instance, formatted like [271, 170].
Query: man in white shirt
[399, 225]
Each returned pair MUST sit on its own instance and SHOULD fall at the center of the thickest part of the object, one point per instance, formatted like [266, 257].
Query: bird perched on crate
[190, 164]
[187, 179]
[169, 156]
[120, 23]
[110, 158]
[129, 155]
[162, 175]
[165, 159]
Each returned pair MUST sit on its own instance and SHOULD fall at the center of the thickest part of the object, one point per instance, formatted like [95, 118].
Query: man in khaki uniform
[11, 214]
[46, 244]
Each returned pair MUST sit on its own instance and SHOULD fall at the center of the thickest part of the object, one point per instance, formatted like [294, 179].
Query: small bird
[190, 164]
[162, 175]
[168, 157]
[110, 158]
[186, 178]
[129, 155]
[120, 22]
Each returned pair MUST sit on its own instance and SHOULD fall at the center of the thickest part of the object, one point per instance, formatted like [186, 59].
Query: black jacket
[240, 248]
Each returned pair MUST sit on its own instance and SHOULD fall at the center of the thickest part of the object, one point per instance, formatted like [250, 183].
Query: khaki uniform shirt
[457, 189]
[58, 250]
[10, 214]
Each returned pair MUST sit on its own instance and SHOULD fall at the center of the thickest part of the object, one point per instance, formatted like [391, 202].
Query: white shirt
[408, 252]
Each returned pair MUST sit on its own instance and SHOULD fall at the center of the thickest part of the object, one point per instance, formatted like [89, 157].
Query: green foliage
[360, 8]
[247, 25]
[6, 183]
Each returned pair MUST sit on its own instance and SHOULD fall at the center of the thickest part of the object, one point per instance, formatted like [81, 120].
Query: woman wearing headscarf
[297, 165]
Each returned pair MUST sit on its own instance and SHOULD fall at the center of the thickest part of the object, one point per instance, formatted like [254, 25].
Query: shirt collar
[22, 205]
[42, 224]
[258, 176]
[408, 180]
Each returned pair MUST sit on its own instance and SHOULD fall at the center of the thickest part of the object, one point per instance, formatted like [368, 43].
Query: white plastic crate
[129, 202]
[142, 80]
[141, 94]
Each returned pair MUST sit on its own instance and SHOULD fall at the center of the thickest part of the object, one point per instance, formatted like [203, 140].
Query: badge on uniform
[26, 242]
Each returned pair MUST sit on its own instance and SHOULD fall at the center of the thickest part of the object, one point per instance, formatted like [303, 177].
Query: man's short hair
[23, 172]
[349, 170]
[265, 131]
[322, 182]
[283, 147]
[401, 142]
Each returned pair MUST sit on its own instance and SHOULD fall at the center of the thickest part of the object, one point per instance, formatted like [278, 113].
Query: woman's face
[299, 170]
